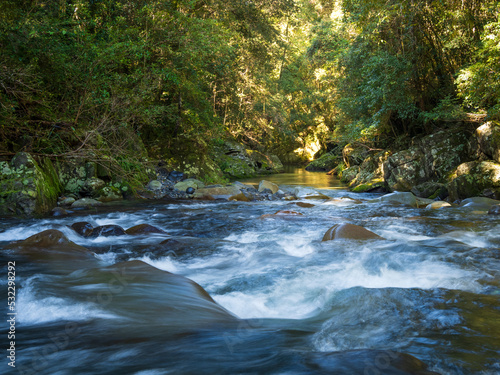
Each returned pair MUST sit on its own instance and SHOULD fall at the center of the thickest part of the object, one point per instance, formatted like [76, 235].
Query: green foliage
[479, 83]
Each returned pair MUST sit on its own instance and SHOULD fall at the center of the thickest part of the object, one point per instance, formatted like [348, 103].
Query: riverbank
[451, 164]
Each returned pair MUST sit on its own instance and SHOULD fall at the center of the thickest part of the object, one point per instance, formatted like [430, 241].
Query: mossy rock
[28, 188]
[325, 163]
[477, 178]
[378, 185]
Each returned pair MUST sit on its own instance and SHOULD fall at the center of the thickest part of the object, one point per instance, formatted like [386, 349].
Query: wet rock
[51, 247]
[152, 296]
[107, 231]
[475, 179]
[401, 198]
[349, 231]
[144, 229]
[83, 228]
[59, 211]
[367, 361]
[343, 201]
[305, 205]
[438, 204]
[86, 203]
[241, 197]
[217, 191]
[283, 214]
[268, 185]
[190, 190]
[494, 210]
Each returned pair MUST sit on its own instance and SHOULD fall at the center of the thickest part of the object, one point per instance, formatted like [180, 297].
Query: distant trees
[270, 73]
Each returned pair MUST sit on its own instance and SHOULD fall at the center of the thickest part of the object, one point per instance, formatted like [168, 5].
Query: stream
[280, 301]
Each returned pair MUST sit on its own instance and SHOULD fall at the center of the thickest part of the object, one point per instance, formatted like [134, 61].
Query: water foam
[32, 309]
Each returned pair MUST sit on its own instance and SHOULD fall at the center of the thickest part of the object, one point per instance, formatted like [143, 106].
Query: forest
[129, 81]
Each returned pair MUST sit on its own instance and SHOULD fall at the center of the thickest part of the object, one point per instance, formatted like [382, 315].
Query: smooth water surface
[286, 303]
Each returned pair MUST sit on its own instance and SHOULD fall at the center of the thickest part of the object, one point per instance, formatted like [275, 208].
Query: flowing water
[286, 303]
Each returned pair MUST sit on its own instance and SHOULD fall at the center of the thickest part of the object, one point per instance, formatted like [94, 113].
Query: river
[283, 301]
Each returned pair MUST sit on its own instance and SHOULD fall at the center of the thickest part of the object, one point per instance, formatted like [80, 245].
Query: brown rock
[83, 228]
[144, 229]
[305, 205]
[349, 231]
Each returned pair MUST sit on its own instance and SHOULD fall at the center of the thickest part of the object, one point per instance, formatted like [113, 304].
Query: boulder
[349, 174]
[241, 197]
[325, 163]
[475, 179]
[108, 194]
[107, 231]
[354, 154]
[401, 198]
[155, 185]
[85, 203]
[431, 190]
[350, 232]
[430, 158]
[52, 247]
[488, 136]
[83, 228]
[371, 174]
[144, 229]
[217, 191]
[268, 185]
[189, 183]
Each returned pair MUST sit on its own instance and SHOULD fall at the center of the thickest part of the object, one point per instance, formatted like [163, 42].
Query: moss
[368, 186]
[325, 163]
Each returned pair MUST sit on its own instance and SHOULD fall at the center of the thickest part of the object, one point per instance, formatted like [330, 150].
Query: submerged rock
[494, 210]
[367, 361]
[149, 295]
[54, 248]
[107, 231]
[304, 204]
[349, 231]
[83, 228]
[144, 229]
[401, 198]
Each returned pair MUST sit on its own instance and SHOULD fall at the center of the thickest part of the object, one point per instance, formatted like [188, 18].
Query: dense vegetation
[131, 79]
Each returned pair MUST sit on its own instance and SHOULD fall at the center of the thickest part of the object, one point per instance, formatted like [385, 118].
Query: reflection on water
[299, 176]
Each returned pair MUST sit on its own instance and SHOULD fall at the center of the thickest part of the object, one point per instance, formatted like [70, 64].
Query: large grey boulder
[430, 158]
